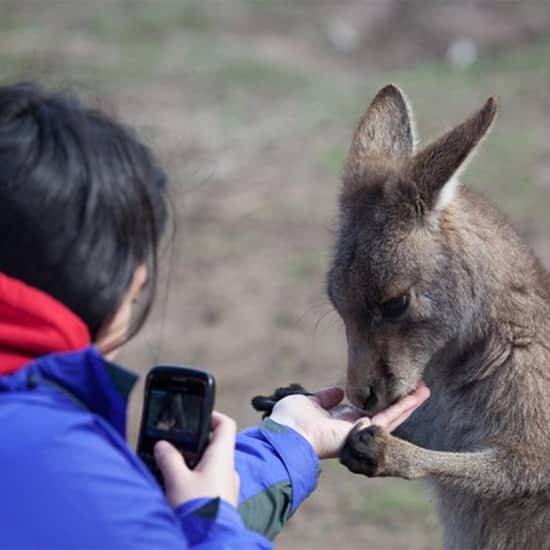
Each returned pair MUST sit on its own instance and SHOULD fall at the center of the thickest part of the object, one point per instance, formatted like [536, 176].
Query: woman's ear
[139, 281]
[114, 333]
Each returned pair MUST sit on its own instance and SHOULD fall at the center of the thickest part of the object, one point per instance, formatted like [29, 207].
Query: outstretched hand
[317, 417]
[326, 426]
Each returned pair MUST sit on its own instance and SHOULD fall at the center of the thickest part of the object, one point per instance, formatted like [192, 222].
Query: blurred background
[251, 104]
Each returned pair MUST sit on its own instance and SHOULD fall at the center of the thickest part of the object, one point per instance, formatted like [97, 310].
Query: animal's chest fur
[447, 423]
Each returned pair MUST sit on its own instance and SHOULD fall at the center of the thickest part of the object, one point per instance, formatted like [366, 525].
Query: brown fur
[475, 326]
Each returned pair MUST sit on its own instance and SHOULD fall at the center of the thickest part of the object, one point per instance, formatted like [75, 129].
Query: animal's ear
[435, 169]
[386, 131]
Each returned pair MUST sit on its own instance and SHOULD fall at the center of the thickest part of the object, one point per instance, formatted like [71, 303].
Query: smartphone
[177, 407]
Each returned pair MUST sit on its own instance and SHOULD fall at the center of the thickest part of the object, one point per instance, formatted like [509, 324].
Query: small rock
[343, 35]
[462, 53]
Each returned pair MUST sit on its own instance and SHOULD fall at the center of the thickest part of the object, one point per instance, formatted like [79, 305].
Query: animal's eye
[395, 306]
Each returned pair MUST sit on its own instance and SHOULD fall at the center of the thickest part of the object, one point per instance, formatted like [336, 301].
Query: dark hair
[82, 202]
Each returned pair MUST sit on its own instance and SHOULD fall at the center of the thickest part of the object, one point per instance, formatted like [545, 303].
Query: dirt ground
[251, 105]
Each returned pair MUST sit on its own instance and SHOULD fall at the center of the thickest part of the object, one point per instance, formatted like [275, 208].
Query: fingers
[170, 463]
[214, 476]
[330, 397]
[397, 413]
[398, 421]
[222, 441]
[400, 410]
[364, 422]
[422, 391]
[224, 429]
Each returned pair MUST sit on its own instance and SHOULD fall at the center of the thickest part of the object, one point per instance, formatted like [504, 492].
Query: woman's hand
[327, 429]
[214, 476]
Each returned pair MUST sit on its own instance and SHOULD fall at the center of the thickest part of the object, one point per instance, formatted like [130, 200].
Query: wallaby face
[387, 283]
[392, 276]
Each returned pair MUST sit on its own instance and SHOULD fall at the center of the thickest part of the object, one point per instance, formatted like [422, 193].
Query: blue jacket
[69, 480]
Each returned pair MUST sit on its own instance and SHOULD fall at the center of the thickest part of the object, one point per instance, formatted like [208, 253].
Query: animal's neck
[506, 286]
[503, 274]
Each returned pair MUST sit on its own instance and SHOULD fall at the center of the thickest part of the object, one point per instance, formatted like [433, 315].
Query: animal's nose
[370, 399]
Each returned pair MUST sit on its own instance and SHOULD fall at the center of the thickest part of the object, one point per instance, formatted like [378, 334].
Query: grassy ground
[251, 110]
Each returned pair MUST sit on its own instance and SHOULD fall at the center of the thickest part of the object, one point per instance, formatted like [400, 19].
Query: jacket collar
[91, 381]
[42, 341]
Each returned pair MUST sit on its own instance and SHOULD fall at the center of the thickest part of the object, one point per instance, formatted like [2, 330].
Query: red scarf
[34, 324]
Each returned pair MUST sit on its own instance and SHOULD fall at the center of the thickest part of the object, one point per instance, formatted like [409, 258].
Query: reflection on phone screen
[174, 415]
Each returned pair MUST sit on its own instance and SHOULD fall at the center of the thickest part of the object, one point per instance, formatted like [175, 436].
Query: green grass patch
[332, 160]
[10, 17]
[306, 265]
[390, 502]
[397, 498]
[139, 20]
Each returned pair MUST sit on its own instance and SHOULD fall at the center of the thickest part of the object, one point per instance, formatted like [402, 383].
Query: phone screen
[175, 415]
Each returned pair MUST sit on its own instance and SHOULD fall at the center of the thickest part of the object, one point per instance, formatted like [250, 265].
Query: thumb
[170, 463]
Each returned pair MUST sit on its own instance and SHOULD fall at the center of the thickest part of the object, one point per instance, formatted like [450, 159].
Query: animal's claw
[364, 450]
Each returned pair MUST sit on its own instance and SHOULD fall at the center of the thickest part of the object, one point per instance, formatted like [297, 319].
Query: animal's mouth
[373, 401]
[358, 411]
[368, 406]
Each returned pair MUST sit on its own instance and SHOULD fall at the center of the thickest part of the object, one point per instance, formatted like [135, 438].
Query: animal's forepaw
[265, 403]
[364, 451]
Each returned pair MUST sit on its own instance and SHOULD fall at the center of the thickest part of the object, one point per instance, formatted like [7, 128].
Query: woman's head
[82, 203]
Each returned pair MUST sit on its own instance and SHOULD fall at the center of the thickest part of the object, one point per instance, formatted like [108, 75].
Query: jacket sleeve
[278, 470]
[88, 490]
[216, 524]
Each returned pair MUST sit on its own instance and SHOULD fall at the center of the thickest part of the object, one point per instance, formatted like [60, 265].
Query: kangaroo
[432, 282]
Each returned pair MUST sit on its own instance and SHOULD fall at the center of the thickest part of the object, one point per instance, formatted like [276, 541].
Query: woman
[82, 209]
